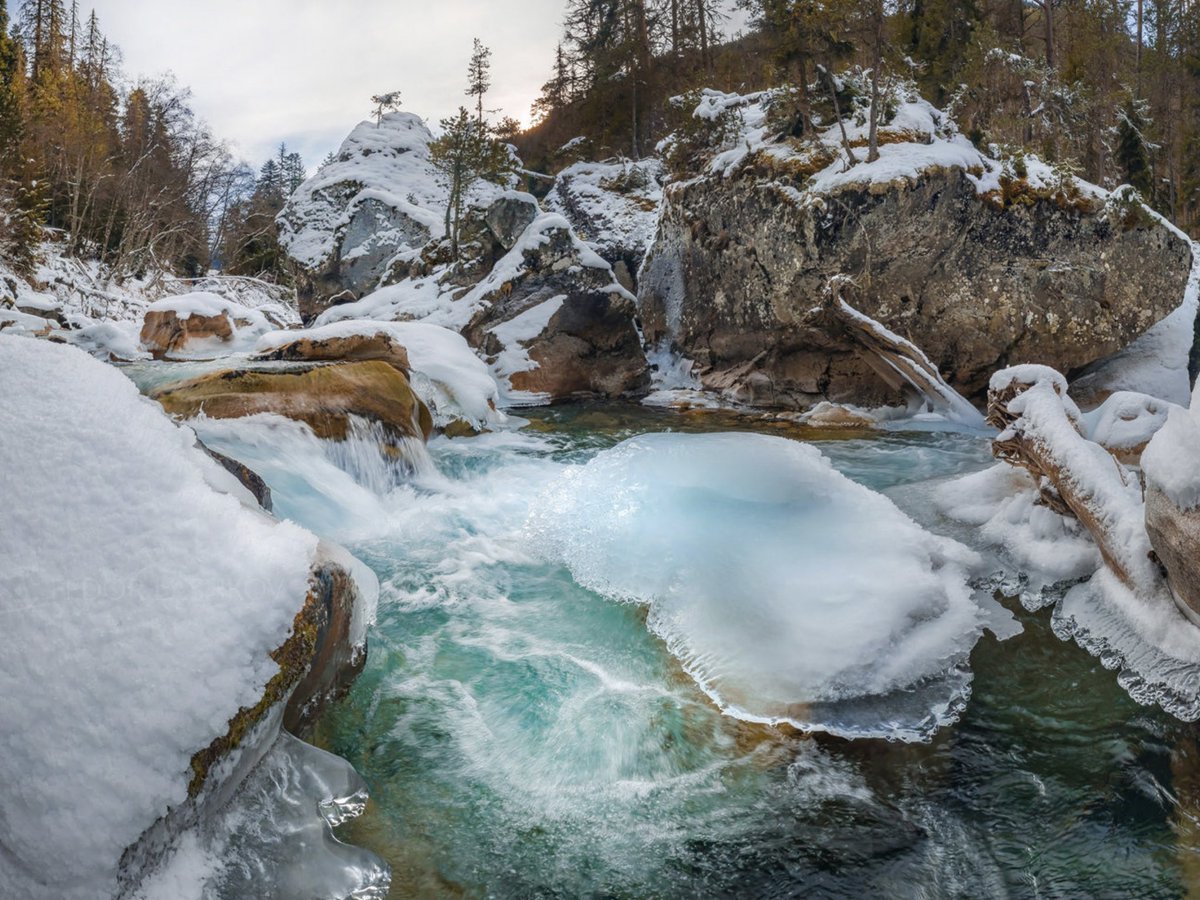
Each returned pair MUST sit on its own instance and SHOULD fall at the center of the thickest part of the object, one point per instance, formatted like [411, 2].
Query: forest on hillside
[128, 174]
[1110, 88]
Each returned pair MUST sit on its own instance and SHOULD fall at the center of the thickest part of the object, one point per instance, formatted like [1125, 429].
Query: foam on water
[524, 736]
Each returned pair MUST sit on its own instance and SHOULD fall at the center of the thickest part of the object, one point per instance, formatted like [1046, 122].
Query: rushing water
[522, 736]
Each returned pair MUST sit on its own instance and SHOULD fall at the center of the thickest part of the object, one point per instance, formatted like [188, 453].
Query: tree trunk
[877, 65]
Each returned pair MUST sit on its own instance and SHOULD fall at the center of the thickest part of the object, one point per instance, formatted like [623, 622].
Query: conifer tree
[479, 76]
[465, 154]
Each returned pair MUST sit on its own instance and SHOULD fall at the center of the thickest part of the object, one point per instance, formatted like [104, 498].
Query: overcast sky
[303, 71]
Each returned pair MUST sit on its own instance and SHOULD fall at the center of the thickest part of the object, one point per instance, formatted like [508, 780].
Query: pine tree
[1133, 154]
[385, 103]
[479, 77]
[465, 154]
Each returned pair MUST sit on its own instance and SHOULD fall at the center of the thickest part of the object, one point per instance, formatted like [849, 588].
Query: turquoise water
[521, 736]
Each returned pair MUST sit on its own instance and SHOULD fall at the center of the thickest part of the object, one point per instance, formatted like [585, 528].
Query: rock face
[554, 321]
[615, 206]
[366, 214]
[323, 396]
[976, 280]
[1175, 537]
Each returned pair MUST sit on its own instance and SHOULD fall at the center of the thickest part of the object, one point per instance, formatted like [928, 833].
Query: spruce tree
[1133, 154]
[479, 76]
[465, 154]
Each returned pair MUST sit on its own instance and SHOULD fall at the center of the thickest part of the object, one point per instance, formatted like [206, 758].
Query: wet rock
[248, 478]
[325, 397]
[360, 347]
[1175, 537]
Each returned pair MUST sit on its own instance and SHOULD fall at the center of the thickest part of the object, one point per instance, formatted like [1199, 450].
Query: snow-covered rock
[155, 623]
[376, 205]
[979, 262]
[445, 373]
[201, 324]
[554, 321]
[614, 206]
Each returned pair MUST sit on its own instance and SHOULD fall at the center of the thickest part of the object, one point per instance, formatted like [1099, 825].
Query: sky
[303, 71]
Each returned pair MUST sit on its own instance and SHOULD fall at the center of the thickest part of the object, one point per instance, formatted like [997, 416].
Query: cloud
[303, 71]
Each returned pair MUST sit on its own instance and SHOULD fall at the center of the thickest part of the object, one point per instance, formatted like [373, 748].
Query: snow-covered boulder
[200, 324]
[614, 206]
[444, 372]
[375, 206]
[331, 399]
[980, 263]
[554, 321]
[156, 624]
[1171, 464]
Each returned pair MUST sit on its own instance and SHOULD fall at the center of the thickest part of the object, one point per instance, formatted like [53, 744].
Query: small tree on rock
[464, 155]
[385, 103]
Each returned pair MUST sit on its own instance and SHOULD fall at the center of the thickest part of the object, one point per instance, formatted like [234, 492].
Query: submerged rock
[325, 397]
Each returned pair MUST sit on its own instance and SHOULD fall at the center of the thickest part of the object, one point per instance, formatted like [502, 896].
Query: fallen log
[1040, 432]
[897, 360]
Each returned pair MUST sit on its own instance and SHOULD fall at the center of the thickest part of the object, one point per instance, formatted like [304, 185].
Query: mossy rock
[322, 396]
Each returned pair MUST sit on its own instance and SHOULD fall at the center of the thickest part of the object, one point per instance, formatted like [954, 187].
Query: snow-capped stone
[978, 262]
[126, 666]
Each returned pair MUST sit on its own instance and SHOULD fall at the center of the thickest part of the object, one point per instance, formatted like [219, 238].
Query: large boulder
[200, 324]
[1175, 536]
[363, 218]
[614, 206]
[554, 321]
[978, 266]
[137, 697]
[325, 397]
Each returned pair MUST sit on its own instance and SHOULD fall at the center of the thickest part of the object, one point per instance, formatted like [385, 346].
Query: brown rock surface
[323, 396]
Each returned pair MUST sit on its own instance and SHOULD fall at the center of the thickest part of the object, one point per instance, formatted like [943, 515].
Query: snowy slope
[138, 608]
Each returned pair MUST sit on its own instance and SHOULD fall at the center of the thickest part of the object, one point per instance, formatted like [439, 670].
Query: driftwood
[1040, 433]
[896, 360]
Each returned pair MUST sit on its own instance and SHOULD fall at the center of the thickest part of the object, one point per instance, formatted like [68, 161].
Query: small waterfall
[378, 460]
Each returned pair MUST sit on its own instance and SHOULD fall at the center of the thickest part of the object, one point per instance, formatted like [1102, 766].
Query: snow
[519, 330]
[447, 375]
[428, 300]
[787, 591]
[386, 161]
[1001, 502]
[1047, 417]
[1126, 421]
[1172, 460]
[616, 221]
[139, 605]
[109, 340]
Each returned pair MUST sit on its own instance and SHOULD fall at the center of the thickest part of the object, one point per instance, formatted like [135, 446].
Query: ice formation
[789, 593]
